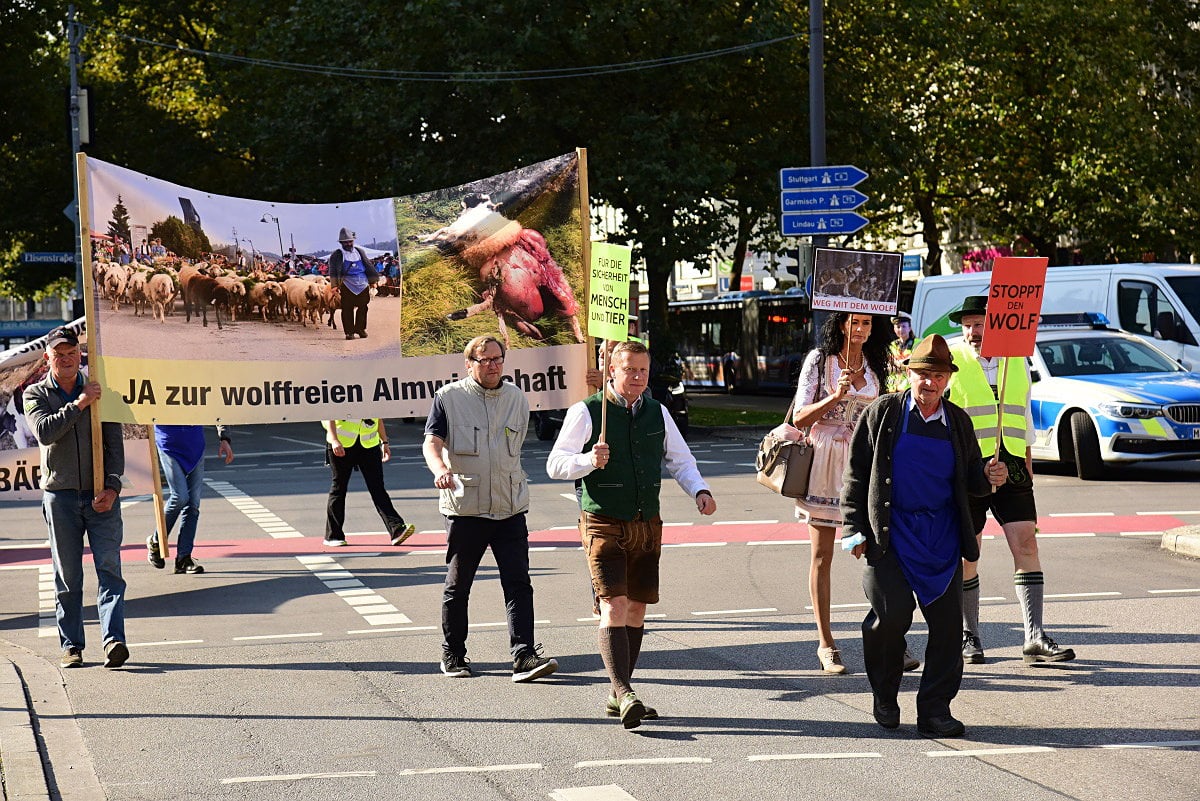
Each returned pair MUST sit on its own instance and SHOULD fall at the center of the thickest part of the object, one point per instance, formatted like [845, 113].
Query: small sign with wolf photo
[862, 281]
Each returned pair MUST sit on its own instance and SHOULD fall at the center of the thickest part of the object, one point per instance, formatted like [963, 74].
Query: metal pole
[279, 231]
[816, 113]
[74, 36]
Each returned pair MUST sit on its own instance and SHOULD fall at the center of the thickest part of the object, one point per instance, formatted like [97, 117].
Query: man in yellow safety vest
[362, 444]
[1003, 418]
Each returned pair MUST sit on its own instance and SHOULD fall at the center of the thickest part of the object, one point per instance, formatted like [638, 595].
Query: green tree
[118, 224]
[180, 238]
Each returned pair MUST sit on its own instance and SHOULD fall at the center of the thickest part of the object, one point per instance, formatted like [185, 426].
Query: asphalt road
[289, 668]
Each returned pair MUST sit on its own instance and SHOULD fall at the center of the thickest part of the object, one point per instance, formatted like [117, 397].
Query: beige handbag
[785, 459]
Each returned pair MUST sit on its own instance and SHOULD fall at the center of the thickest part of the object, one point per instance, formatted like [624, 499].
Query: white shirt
[567, 461]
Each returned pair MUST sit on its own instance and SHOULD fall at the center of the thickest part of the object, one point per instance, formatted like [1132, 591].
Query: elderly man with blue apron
[914, 461]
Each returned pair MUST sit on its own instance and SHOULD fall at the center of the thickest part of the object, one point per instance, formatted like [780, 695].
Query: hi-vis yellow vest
[365, 431]
[969, 389]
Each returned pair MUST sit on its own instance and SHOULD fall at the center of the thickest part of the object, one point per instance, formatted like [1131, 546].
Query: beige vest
[485, 431]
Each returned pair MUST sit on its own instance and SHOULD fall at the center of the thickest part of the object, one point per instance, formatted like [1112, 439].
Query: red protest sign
[1014, 305]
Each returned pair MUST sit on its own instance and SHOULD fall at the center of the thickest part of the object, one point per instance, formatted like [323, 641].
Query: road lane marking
[570, 496]
[1189, 589]
[47, 618]
[610, 763]
[280, 636]
[780, 542]
[994, 598]
[735, 611]
[604, 792]
[1082, 595]
[255, 511]
[1188, 512]
[373, 608]
[164, 642]
[1164, 744]
[392, 629]
[470, 769]
[1042, 536]
[987, 752]
[1141, 533]
[694, 544]
[293, 777]
[847, 755]
[744, 522]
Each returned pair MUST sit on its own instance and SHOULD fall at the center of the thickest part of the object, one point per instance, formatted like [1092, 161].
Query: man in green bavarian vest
[621, 526]
[361, 444]
[975, 387]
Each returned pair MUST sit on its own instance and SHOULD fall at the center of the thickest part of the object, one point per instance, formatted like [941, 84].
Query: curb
[1184, 540]
[20, 760]
[747, 433]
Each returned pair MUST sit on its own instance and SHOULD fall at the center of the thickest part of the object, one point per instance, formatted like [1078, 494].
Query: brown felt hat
[931, 353]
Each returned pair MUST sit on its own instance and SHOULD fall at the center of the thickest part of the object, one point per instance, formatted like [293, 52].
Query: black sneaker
[72, 657]
[455, 666]
[532, 665]
[115, 654]
[185, 564]
[152, 554]
[403, 534]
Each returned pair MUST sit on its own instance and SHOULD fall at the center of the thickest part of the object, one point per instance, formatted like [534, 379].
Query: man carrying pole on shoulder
[616, 442]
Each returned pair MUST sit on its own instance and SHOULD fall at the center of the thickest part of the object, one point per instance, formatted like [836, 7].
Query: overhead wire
[465, 76]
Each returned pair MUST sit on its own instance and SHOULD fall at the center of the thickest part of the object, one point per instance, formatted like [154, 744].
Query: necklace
[846, 362]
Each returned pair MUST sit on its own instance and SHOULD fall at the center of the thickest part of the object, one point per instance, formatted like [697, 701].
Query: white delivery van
[1159, 302]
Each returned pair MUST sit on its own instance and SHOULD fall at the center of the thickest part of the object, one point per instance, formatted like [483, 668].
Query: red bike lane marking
[789, 530]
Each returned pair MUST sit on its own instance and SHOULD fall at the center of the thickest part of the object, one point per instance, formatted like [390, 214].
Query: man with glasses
[473, 441]
[620, 523]
[914, 463]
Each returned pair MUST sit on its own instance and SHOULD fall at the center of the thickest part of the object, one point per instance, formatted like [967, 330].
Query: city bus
[742, 341]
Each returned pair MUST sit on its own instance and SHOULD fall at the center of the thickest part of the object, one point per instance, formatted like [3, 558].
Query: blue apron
[924, 520]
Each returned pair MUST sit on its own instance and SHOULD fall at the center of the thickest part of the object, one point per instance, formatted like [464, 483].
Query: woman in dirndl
[841, 376]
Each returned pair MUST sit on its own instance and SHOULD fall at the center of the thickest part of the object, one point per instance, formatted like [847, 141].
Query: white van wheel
[1088, 464]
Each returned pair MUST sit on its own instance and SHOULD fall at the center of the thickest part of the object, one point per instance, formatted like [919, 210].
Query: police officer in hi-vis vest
[900, 350]
[975, 388]
[362, 444]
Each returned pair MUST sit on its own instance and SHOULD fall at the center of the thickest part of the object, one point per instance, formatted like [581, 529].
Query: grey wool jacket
[867, 481]
[64, 432]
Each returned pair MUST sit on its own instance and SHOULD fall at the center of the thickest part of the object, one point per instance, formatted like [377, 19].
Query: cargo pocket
[466, 440]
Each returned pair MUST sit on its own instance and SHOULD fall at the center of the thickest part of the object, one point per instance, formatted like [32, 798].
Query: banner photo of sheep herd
[211, 308]
[856, 281]
[20, 459]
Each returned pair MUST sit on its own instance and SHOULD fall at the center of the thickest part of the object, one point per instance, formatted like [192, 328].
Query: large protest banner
[20, 458]
[1014, 306]
[244, 340]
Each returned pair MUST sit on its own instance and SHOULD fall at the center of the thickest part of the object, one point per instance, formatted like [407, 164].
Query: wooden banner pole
[604, 357]
[1000, 408]
[160, 514]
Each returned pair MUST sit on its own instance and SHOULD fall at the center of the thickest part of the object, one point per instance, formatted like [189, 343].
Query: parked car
[1102, 396]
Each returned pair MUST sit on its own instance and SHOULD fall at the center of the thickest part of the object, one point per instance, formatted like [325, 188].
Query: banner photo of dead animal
[210, 308]
[20, 458]
[856, 281]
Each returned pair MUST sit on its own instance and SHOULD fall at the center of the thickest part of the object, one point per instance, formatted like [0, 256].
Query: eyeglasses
[494, 361]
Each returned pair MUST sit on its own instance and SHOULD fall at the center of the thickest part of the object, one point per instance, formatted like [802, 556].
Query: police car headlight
[1139, 411]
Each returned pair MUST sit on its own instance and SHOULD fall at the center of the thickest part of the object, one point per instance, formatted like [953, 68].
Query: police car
[1103, 396]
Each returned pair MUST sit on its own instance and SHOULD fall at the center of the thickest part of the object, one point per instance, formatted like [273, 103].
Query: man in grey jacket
[58, 410]
[914, 460]
[473, 441]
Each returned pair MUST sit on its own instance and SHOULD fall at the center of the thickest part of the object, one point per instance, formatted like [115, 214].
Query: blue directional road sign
[840, 177]
[822, 224]
[822, 199]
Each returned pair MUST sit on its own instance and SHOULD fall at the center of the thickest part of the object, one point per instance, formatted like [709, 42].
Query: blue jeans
[469, 538]
[69, 514]
[184, 499]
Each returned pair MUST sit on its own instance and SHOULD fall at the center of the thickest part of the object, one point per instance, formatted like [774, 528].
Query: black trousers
[354, 311]
[369, 462]
[468, 538]
[892, 605]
